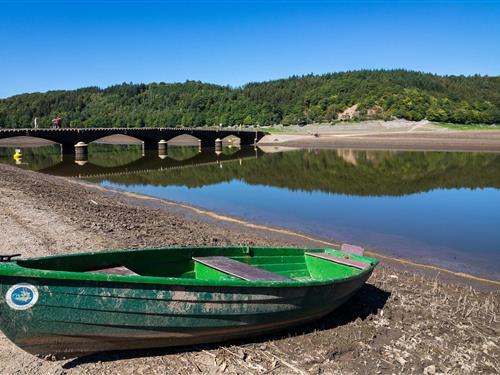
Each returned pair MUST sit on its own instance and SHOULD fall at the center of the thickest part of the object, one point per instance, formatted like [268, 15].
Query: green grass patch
[450, 125]
[279, 130]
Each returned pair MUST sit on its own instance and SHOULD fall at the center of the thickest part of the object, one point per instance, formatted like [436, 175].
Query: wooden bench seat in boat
[120, 270]
[353, 249]
[341, 260]
[238, 269]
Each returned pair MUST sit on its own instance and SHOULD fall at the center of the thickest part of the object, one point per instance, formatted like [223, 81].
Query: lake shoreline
[45, 215]
[479, 281]
[437, 140]
[397, 135]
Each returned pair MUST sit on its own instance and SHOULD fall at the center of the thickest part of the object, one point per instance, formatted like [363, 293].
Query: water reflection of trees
[34, 158]
[181, 153]
[343, 171]
[230, 150]
[106, 155]
[99, 154]
[334, 171]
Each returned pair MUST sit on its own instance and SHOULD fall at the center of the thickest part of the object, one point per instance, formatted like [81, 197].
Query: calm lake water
[434, 207]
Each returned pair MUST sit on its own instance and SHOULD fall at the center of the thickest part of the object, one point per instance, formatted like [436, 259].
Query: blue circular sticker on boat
[21, 296]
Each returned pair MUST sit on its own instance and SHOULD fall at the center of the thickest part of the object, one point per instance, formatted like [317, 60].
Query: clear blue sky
[70, 44]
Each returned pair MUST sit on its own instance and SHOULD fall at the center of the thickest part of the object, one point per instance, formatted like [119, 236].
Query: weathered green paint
[175, 301]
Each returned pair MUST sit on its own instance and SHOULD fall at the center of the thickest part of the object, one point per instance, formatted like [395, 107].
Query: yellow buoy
[18, 154]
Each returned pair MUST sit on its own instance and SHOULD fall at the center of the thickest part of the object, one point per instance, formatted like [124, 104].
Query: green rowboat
[77, 304]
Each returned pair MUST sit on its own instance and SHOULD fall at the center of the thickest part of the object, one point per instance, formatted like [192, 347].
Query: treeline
[357, 95]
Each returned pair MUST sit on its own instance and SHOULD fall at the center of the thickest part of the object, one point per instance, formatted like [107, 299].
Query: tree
[295, 100]
[248, 120]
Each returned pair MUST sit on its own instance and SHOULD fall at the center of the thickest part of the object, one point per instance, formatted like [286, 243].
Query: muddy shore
[481, 141]
[404, 320]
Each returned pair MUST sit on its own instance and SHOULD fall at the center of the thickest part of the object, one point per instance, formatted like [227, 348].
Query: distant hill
[365, 94]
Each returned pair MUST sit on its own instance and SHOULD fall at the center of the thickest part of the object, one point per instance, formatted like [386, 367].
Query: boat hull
[73, 318]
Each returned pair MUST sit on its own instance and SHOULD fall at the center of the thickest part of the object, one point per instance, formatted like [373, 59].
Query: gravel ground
[402, 321]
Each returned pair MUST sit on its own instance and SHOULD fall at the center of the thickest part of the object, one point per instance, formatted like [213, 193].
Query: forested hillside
[296, 100]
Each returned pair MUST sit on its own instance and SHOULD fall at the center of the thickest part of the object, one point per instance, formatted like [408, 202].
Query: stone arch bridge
[69, 137]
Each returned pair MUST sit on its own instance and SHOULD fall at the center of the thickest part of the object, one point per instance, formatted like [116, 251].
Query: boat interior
[213, 263]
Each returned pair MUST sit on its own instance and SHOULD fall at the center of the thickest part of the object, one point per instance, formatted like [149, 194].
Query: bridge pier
[162, 149]
[81, 149]
[81, 161]
[218, 146]
[81, 153]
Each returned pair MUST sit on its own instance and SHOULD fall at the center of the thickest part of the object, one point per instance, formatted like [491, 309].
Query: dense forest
[357, 95]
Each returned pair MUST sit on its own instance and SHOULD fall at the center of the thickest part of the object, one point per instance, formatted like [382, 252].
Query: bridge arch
[183, 147]
[184, 140]
[231, 140]
[38, 153]
[118, 139]
[26, 141]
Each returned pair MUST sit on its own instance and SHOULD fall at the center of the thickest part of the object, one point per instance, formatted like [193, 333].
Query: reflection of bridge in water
[148, 163]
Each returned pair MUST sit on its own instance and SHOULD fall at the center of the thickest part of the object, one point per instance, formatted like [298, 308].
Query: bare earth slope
[392, 135]
[400, 322]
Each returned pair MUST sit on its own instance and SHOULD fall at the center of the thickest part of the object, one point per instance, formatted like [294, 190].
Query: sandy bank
[401, 321]
[391, 135]
[450, 141]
